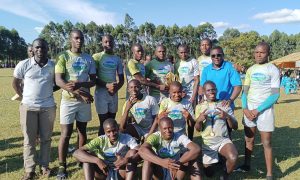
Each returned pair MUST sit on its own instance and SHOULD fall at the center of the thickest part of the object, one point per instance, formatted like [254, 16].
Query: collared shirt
[38, 82]
[225, 78]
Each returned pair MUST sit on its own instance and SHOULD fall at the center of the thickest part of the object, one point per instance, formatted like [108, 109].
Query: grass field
[286, 138]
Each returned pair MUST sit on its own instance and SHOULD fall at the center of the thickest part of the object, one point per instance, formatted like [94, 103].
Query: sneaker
[62, 173]
[269, 178]
[45, 171]
[29, 176]
[242, 168]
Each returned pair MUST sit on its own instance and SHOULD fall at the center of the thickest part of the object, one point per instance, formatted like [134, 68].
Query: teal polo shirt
[225, 78]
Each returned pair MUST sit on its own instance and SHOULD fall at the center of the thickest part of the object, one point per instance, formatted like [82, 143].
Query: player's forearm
[123, 120]
[149, 155]
[268, 103]
[16, 84]
[120, 82]
[196, 86]
[198, 126]
[190, 155]
[85, 157]
[154, 125]
[236, 91]
[232, 123]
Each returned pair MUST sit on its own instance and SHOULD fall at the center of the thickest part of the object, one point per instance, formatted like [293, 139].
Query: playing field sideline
[286, 138]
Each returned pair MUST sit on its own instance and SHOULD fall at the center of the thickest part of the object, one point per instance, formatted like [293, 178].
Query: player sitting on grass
[109, 154]
[174, 154]
[211, 121]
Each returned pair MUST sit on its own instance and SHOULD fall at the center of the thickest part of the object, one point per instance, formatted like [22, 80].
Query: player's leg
[266, 141]
[131, 166]
[230, 153]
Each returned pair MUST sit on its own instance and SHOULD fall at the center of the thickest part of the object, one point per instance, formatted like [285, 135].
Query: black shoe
[29, 176]
[242, 168]
[62, 173]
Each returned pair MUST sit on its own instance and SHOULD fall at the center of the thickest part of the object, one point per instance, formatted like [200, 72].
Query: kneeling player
[174, 154]
[211, 121]
[109, 155]
[141, 109]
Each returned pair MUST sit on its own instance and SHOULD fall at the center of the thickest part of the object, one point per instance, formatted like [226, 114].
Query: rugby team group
[165, 102]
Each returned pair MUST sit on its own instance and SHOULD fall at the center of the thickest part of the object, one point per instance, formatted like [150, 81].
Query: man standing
[223, 74]
[156, 71]
[204, 60]
[136, 70]
[37, 110]
[260, 93]
[107, 86]
[75, 73]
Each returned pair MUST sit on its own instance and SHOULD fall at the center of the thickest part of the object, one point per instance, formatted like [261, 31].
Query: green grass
[285, 142]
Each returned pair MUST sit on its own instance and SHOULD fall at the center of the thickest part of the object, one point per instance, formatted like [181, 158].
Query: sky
[264, 16]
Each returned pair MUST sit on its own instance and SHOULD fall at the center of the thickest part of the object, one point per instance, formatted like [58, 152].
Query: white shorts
[264, 122]
[105, 102]
[210, 154]
[74, 110]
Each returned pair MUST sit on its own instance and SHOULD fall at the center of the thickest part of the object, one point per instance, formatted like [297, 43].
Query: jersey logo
[175, 114]
[258, 77]
[109, 64]
[184, 70]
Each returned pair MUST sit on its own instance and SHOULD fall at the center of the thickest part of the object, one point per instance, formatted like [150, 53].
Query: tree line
[12, 47]
[238, 46]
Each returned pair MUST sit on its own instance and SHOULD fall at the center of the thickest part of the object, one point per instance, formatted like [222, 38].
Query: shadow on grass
[285, 144]
[10, 143]
[286, 101]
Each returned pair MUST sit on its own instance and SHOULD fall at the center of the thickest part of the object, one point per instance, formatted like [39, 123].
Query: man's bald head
[110, 123]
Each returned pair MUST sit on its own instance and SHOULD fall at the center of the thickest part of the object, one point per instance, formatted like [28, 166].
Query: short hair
[39, 40]
[265, 44]
[76, 31]
[209, 82]
[177, 84]
[135, 81]
[208, 40]
[110, 122]
[166, 119]
[29, 46]
[136, 45]
[217, 47]
[183, 46]
[107, 36]
[160, 45]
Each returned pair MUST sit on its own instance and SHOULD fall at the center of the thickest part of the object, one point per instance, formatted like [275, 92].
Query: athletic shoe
[29, 176]
[45, 171]
[62, 173]
[242, 168]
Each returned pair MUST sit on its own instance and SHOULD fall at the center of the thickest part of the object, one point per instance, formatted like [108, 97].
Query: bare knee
[267, 144]
[232, 157]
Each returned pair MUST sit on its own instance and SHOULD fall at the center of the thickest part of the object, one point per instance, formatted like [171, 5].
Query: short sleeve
[235, 78]
[60, 66]
[163, 105]
[96, 58]
[248, 77]
[184, 140]
[275, 77]
[95, 145]
[204, 76]
[120, 66]
[131, 142]
[154, 107]
[196, 68]
[19, 71]
[132, 67]
[153, 140]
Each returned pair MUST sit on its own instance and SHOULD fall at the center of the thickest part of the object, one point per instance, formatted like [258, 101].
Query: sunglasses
[216, 55]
